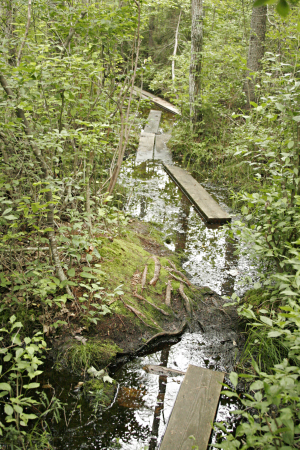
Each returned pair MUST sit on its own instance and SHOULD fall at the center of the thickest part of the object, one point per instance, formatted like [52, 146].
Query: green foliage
[20, 365]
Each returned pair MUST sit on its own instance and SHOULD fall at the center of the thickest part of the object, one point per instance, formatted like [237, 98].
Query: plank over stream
[157, 100]
[194, 410]
[200, 198]
[153, 121]
[145, 148]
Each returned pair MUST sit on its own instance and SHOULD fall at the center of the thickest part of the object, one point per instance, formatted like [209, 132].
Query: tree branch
[26, 33]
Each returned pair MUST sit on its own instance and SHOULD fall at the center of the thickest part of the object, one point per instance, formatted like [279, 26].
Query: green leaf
[8, 410]
[275, 333]
[11, 217]
[266, 320]
[87, 275]
[31, 385]
[234, 378]
[256, 385]
[5, 387]
[282, 8]
[71, 272]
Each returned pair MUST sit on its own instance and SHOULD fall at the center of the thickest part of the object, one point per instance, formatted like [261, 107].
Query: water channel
[138, 417]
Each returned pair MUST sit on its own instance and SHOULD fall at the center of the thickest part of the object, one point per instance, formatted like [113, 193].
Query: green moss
[96, 353]
[255, 296]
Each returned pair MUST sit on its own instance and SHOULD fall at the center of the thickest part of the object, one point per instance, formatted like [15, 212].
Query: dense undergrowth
[68, 116]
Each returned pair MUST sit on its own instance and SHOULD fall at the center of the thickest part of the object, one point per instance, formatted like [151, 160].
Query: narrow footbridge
[153, 146]
[194, 410]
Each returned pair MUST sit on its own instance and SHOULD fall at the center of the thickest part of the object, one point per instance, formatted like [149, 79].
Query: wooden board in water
[194, 410]
[200, 198]
[157, 100]
[161, 150]
[153, 122]
[145, 148]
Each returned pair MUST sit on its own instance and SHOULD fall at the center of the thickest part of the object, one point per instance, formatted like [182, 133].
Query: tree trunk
[175, 48]
[256, 50]
[196, 60]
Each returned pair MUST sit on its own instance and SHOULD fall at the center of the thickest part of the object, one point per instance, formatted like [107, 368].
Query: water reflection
[207, 252]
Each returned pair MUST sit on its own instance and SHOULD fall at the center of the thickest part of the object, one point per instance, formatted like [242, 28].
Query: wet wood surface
[161, 150]
[153, 121]
[146, 147]
[194, 410]
[201, 199]
[157, 100]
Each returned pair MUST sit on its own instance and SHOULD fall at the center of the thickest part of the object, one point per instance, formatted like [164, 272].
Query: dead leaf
[81, 339]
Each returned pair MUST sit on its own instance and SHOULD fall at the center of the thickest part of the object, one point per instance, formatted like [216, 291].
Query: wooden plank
[161, 150]
[203, 202]
[194, 410]
[145, 148]
[157, 100]
[153, 122]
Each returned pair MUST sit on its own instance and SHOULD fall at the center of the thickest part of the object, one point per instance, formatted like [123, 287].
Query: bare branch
[26, 33]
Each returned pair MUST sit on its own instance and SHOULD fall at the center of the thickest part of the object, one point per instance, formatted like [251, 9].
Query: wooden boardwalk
[200, 198]
[157, 100]
[153, 122]
[194, 410]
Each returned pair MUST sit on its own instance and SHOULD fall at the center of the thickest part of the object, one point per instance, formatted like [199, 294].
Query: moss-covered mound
[79, 357]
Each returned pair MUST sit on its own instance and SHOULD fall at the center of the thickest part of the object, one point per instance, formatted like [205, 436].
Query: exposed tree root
[186, 280]
[168, 294]
[149, 303]
[144, 277]
[139, 314]
[186, 300]
[178, 279]
[156, 271]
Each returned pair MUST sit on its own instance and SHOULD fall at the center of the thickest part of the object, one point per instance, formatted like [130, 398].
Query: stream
[139, 415]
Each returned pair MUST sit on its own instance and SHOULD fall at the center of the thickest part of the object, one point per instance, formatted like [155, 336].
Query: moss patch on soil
[79, 357]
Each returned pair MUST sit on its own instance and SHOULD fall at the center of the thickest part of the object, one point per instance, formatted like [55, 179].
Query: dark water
[138, 416]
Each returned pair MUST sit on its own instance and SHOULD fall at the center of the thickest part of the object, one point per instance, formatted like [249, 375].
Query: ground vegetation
[76, 274]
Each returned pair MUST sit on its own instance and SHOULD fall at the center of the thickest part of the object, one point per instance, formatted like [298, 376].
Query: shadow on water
[138, 416]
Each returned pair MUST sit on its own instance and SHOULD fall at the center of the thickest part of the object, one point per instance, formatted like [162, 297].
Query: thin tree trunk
[125, 126]
[45, 171]
[256, 50]
[175, 48]
[26, 33]
[196, 61]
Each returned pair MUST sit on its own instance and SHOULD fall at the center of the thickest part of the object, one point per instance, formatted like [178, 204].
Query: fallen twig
[156, 271]
[154, 306]
[186, 299]
[168, 293]
[144, 277]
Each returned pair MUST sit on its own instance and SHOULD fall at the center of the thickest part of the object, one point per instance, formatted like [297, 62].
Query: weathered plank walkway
[157, 100]
[194, 410]
[153, 122]
[145, 148]
[161, 150]
[200, 198]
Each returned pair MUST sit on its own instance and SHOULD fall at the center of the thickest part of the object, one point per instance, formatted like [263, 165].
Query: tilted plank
[145, 148]
[194, 410]
[201, 199]
[153, 122]
[157, 100]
